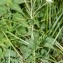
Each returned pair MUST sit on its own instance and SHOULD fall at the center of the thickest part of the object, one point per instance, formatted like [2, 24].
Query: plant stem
[34, 56]
[32, 37]
[12, 45]
[47, 18]
[31, 10]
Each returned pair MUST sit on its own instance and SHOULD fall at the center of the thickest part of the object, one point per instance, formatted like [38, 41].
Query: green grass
[31, 31]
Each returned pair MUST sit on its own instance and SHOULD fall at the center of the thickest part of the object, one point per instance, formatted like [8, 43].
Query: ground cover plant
[31, 31]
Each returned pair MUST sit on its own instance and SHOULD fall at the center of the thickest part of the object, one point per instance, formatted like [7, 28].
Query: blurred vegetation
[31, 31]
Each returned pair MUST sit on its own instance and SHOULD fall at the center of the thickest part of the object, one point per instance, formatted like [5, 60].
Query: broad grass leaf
[26, 51]
[3, 10]
[22, 23]
[43, 26]
[2, 2]
[1, 53]
[48, 45]
[36, 22]
[1, 35]
[22, 30]
[18, 1]
[26, 55]
[49, 42]
[9, 1]
[21, 19]
[12, 53]
[4, 40]
[28, 60]
[2, 44]
[15, 61]
[43, 52]
[18, 16]
[2, 23]
[15, 7]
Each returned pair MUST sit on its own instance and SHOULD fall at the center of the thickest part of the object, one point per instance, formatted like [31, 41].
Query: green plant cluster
[31, 31]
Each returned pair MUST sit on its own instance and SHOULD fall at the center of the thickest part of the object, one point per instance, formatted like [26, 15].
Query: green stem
[31, 10]
[34, 56]
[46, 18]
[32, 37]
[50, 17]
[12, 45]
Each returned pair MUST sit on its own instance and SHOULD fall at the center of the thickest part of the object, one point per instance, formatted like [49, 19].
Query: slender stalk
[39, 9]
[56, 29]
[27, 5]
[17, 37]
[56, 43]
[32, 37]
[34, 56]
[50, 17]
[57, 35]
[12, 45]
[32, 34]
[47, 18]
[9, 57]
[31, 10]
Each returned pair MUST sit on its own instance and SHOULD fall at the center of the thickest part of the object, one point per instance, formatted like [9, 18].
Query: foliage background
[31, 31]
